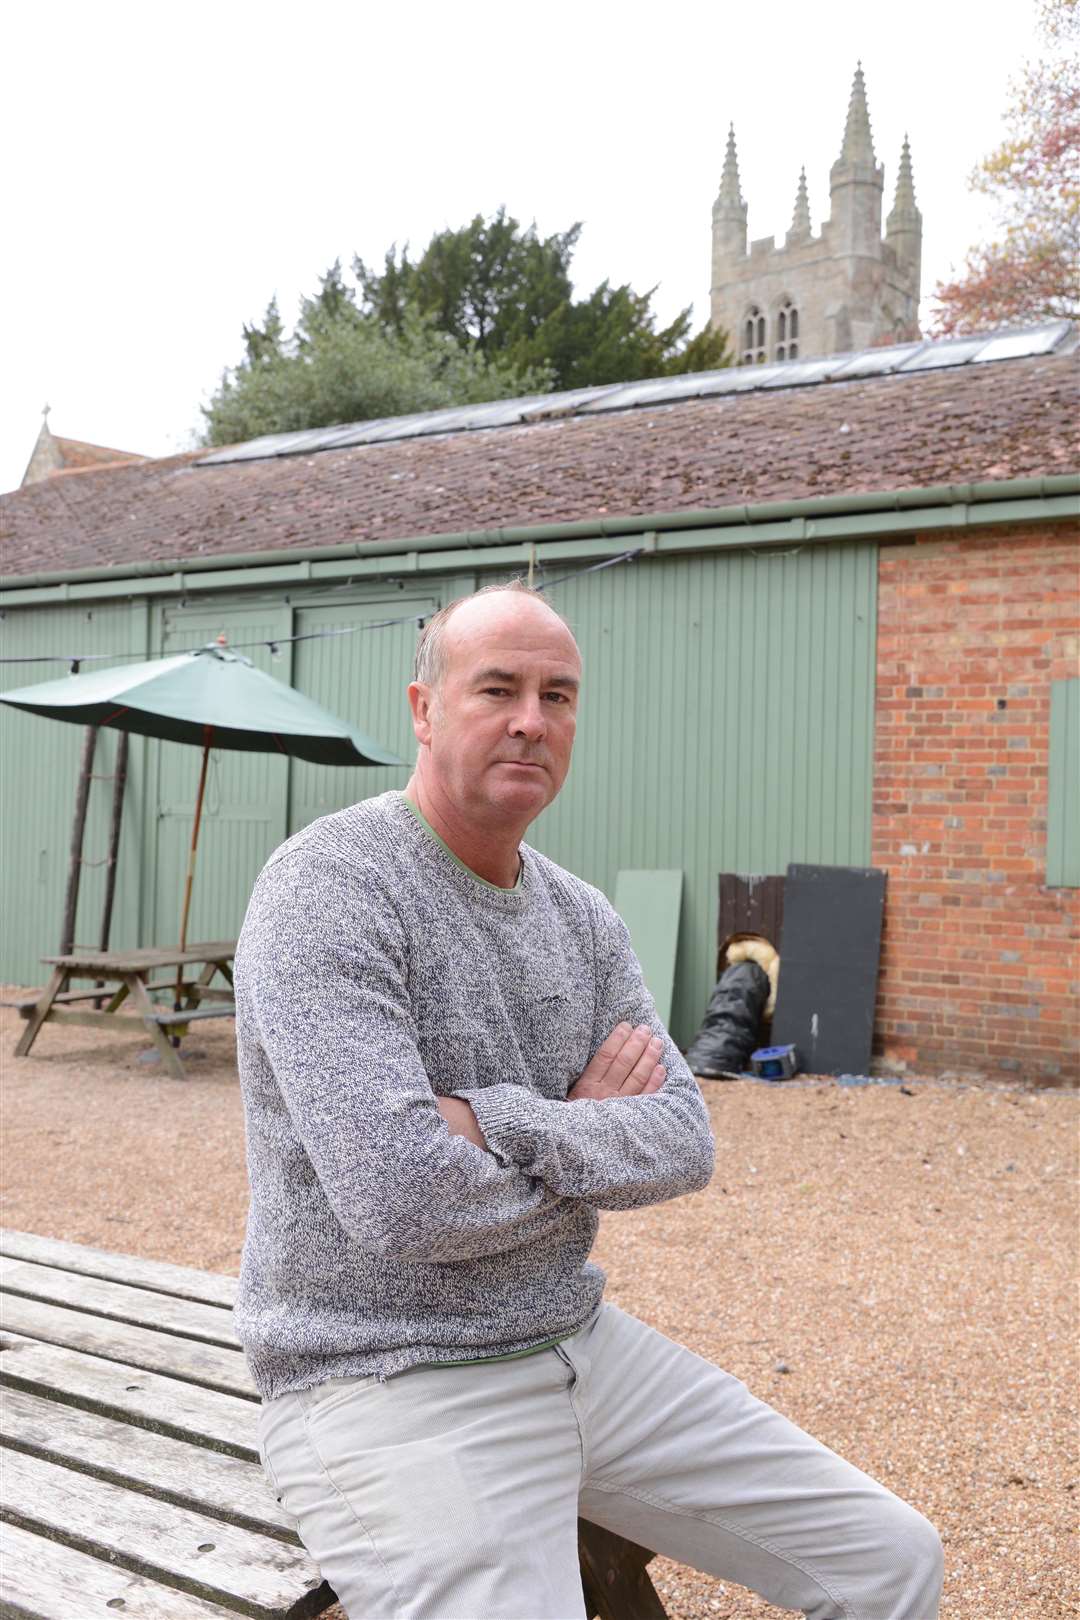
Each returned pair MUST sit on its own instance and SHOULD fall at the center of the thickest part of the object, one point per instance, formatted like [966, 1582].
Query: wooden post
[208, 733]
[82, 795]
[614, 1577]
[119, 780]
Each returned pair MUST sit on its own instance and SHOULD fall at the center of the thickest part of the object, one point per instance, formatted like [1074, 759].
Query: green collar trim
[429, 829]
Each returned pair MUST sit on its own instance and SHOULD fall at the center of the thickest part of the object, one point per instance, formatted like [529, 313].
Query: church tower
[848, 287]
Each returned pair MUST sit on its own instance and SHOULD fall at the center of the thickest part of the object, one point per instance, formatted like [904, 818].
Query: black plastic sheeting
[729, 1032]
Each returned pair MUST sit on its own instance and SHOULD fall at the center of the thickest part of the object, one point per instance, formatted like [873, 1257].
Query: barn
[827, 609]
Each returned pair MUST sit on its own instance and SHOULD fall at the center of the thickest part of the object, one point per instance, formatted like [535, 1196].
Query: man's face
[499, 727]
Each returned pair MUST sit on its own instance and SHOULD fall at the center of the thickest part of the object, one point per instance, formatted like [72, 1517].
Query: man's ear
[421, 702]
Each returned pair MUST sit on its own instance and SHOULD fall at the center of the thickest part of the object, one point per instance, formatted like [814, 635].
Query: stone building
[846, 288]
[52, 455]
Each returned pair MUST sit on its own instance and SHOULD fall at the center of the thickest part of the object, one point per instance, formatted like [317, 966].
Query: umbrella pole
[208, 734]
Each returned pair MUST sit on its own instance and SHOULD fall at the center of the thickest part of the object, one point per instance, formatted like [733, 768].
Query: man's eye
[556, 697]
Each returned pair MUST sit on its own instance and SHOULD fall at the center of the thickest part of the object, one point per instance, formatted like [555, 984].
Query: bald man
[450, 1065]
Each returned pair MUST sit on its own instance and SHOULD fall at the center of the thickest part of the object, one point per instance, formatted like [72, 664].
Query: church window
[754, 338]
[787, 331]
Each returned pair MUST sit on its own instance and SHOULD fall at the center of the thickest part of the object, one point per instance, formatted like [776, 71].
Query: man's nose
[528, 719]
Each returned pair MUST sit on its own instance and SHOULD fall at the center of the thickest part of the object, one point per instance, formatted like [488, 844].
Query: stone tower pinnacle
[729, 209]
[858, 144]
[903, 228]
[801, 228]
[904, 200]
[856, 181]
[730, 191]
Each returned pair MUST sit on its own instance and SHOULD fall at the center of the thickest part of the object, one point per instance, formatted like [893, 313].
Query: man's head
[494, 703]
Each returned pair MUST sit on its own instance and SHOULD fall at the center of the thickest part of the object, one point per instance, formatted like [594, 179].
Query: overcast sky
[170, 168]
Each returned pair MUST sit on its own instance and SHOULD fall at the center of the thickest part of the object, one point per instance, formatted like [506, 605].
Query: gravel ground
[895, 1272]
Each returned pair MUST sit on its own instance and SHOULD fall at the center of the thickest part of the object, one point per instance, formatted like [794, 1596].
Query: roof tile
[1008, 419]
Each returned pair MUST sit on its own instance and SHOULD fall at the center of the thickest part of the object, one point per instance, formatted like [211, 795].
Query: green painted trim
[1063, 802]
[778, 523]
[426, 826]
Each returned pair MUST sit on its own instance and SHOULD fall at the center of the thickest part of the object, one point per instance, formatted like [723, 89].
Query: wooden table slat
[152, 1400]
[256, 1575]
[168, 1016]
[174, 1470]
[146, 956]
[44, 1580]
[185, 1282]
[119, 1302]
[207, 1365]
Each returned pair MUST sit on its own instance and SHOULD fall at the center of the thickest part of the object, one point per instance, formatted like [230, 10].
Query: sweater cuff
[507, 1116]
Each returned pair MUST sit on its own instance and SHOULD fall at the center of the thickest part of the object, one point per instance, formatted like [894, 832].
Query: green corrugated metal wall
[726, 725]
[38, 767]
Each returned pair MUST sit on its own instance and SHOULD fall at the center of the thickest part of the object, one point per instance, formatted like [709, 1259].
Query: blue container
[775, 1062]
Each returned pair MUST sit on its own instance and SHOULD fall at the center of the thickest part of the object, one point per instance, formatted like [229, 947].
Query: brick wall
[980, 962]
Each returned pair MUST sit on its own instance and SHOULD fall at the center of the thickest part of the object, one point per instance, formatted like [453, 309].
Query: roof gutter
[873, 515]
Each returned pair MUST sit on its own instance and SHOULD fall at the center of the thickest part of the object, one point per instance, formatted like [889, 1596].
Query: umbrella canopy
[211, 697]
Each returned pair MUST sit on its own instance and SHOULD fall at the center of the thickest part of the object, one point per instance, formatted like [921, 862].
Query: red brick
[960, 626]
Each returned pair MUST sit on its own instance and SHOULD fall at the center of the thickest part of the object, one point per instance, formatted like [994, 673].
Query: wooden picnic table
[131, 1482]
[133, 977]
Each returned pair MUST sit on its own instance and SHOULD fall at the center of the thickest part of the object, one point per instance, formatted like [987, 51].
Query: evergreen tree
[350, 368]
[509, 292]
[487, 312]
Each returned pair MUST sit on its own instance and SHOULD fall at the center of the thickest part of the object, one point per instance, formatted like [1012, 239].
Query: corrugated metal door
[37, 791]
[362, 676]
[245, 813]
[726, 726]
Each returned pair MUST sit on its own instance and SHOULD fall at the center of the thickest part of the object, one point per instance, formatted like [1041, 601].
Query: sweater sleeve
[322, 988]
[620, 1152]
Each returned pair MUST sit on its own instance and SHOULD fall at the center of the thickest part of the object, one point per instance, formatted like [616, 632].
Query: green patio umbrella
[210, 697]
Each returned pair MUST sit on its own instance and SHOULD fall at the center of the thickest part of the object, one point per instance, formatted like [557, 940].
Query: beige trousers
[453, 1493]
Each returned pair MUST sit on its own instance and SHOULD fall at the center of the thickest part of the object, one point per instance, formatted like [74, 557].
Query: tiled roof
[76, 453]
[52, 456]
[1005, 419]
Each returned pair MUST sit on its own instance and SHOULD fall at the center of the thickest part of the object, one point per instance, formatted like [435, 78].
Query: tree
[509, 292]
[348, 367]
[1031, 272]
[489, 283]
[487, 312]
[265, 343]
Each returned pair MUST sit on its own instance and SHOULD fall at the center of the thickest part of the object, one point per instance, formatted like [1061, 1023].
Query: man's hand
[461, 1120]
[625, 1066]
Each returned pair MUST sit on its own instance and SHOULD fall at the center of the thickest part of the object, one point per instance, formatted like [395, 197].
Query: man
[450, 1064]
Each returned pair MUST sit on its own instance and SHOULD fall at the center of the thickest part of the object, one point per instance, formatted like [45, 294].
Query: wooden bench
[131, 1481]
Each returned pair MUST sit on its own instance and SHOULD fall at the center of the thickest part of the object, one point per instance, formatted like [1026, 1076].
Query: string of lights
[275, 643]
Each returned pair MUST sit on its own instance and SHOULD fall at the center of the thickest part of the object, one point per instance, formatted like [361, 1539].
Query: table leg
[170, 1058]
[41, 1011]
[614, 1577]
[193, 988]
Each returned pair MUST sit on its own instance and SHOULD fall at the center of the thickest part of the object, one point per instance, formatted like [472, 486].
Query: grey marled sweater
[373, 974]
